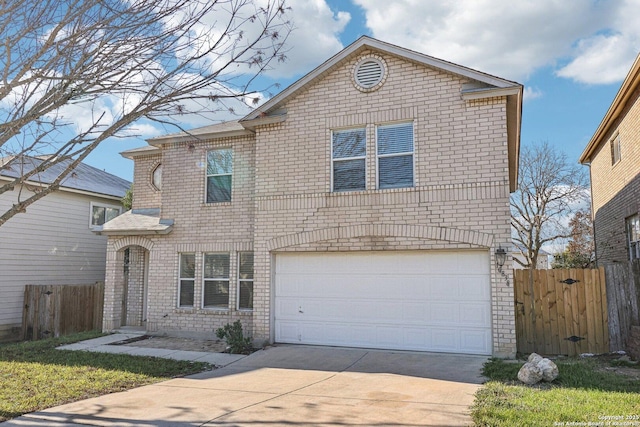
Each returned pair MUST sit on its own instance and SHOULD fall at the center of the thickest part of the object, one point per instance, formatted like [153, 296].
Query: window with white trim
[102, 213]
[219, 175]
[156, 177]
[348, 159]
[187, 280]
[632, 224]
[245, 280]
[615, 149]
[216, 268]
[394, 149]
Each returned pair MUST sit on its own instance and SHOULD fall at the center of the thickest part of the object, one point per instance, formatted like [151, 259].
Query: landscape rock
[530, 373]
[534, 358]
[549, 370]
[537, 368]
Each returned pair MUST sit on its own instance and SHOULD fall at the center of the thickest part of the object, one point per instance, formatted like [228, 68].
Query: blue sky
[571, 56]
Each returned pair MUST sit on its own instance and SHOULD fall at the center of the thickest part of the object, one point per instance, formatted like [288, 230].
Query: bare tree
[580, 251]
[550, 190]
[115, 62]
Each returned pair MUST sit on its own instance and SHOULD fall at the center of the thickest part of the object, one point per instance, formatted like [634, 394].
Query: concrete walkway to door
[293, 386]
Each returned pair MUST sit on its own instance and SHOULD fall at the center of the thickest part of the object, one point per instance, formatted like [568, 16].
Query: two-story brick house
[362, 206]
[613, 154]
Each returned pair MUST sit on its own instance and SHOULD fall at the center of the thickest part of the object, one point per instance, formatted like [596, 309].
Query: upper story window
[348, 155]
[395, 155]
[103, 213]
[156, 177]
[632, 224]
[615, 149]
[219, 175]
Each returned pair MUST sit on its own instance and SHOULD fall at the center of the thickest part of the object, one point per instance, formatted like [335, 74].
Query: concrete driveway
[293, 386]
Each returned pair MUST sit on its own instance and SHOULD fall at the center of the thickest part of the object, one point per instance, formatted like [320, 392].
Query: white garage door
[428, 301]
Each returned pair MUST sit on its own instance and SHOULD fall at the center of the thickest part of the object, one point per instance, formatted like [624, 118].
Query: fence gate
[561, 311]
[55, 310]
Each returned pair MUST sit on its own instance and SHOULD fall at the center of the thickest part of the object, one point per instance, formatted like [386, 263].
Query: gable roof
[84, 178]
[622, 98]
[481, 85]
[365, 42]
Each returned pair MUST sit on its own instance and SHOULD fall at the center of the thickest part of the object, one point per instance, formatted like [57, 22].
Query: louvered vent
[369, 73]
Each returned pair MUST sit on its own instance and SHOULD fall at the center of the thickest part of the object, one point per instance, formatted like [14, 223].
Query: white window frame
[216, 279]
[240, 281]
[191, 279]
[101, 205]
[633, 246]
[616, 150]
[207, 176]
[342, 159]
[407, 153]
[156, 177]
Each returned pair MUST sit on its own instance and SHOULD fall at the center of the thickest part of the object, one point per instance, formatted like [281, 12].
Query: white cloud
[531, 93]
[514, 39]
[314, 39]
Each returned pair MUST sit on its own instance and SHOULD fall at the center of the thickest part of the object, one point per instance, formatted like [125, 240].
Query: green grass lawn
[584, 392]
[35, 376]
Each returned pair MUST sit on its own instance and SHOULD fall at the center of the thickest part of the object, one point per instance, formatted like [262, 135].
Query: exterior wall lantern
[501, 257]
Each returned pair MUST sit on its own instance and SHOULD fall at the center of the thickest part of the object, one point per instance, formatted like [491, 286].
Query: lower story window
[633, 236]
[186, 282]
[216, 281]
[245, 281]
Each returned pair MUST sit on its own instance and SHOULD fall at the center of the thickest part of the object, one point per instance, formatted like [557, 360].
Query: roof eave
[628, 87]
[263, 120]
[368, 42]
[137, 152]
[133, 232]
[189, 137]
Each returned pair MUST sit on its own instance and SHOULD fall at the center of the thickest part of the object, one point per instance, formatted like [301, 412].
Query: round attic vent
[369, 74]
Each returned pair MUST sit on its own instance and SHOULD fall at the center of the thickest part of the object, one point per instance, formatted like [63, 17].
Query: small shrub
[238, 343]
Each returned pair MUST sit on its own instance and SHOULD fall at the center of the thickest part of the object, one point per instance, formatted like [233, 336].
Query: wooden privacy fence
[623, 300]
[561, 311]
[57, 310]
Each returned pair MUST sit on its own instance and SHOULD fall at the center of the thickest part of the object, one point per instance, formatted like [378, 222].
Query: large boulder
[537, 368]
[549, 370]
[530, 373]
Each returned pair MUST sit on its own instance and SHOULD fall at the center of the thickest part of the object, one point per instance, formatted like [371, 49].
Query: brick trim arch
[382, 230]
[133, 241]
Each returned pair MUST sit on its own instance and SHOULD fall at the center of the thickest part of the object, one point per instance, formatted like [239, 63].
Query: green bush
[238, 343]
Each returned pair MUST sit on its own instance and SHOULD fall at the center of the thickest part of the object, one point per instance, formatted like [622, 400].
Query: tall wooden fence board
[57, 310]
[623, 300]
[561, 311]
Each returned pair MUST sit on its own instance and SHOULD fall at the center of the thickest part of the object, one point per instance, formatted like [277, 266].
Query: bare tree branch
[549, 191]
[121, 61]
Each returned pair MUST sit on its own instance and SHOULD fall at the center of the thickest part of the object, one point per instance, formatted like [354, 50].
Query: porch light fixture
[501, 257]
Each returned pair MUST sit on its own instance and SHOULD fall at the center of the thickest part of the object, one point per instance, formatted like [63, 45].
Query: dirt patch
[173, 343]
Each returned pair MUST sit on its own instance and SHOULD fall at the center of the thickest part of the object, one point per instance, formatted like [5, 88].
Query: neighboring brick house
[613, 154]
[52, 242]
[362, 206]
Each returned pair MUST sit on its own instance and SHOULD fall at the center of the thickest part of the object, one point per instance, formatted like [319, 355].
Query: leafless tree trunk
[550, 190]
[120, 61]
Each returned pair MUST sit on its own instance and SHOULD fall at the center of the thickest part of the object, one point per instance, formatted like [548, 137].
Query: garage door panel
[475, 315]
[474, 288]
[443, 313]
[429, 301]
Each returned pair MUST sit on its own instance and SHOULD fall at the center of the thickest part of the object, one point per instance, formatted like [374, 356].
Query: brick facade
[282, 199]
[616, 187]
